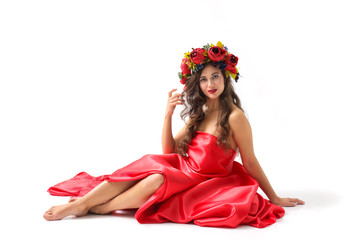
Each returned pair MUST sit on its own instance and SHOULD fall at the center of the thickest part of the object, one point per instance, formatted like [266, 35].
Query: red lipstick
[212, 91]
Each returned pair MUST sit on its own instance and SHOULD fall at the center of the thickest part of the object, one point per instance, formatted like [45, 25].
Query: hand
[288, 202]
[173, 100]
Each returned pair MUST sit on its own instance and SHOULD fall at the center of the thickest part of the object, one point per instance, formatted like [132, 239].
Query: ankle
[81, 205]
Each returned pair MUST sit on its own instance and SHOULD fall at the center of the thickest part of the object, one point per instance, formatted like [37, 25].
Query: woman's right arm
[168, 142]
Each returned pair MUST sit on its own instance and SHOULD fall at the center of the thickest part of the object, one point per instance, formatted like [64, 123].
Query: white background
[83, 87]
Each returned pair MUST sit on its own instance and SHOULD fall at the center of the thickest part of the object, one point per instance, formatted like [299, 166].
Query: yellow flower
[220, 45]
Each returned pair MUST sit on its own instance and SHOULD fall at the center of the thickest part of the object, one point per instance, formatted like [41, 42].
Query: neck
[212, 105]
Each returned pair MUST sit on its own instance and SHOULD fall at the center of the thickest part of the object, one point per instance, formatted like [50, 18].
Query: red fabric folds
[207, 187]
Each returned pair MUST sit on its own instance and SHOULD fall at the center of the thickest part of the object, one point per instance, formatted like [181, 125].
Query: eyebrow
[211, 74]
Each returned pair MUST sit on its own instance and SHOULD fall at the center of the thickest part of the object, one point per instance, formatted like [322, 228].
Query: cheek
[222, 83]
[202, 85]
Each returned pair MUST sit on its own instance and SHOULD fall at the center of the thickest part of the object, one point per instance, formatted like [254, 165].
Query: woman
[196, 177]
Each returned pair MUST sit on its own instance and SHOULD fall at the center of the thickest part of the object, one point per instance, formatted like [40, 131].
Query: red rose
[183, 80]
[197, 55]
[231, 69]
[184, 67]
[216, 53]
[231, 60]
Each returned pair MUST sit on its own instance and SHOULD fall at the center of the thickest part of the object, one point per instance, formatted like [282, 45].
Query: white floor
[326, 214]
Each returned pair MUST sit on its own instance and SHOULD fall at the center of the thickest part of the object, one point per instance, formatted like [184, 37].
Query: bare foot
[62, 211]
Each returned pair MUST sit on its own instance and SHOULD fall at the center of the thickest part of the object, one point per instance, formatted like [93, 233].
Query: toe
[47, 215]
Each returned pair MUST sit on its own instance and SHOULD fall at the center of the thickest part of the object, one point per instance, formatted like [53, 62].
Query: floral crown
[194, 61]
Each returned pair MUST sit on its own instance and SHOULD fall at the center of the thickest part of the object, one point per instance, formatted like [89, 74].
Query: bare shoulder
[238, 121]
[236, 115]
[242, 134]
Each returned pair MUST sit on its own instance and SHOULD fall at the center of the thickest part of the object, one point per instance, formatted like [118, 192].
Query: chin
[211, 97]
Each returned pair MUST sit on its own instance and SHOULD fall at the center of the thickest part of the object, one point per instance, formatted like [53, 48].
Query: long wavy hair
[195, 100]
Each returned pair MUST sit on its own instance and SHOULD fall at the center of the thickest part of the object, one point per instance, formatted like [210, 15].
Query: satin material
[207, 187]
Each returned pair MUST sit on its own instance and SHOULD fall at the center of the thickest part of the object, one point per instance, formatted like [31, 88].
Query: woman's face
[211, 82]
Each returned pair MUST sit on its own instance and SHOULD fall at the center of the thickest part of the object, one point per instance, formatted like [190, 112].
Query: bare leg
[134, 197]
[103, 192]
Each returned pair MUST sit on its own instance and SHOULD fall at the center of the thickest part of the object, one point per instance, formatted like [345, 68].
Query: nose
[211, 83]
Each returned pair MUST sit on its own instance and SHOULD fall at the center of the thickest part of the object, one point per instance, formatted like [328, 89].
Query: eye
[215, 76]
[203, 79]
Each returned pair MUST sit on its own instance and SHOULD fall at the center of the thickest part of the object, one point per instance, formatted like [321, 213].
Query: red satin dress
[207, 187]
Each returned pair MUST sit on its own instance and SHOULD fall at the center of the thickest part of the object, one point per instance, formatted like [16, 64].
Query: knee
[154, 181]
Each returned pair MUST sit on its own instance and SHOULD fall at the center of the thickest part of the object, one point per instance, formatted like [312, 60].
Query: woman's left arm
[242, 135]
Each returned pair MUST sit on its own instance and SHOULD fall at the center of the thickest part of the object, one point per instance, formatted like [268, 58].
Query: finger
[175, 102]
[176, 99]
[171, 100]
[171, 91]
[289, 202]
[179, 95]
[296, 201]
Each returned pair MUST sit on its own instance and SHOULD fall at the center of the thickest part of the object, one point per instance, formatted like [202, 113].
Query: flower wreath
[194, 61]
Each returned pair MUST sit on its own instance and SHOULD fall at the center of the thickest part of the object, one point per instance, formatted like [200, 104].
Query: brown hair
[193, 107]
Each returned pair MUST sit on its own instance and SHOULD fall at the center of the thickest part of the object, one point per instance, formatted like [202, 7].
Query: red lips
[212, 91]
